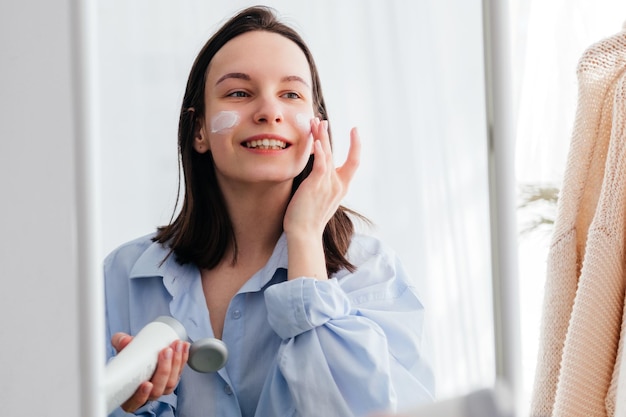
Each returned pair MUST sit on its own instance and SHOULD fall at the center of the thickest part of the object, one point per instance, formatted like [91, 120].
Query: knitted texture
[584, 290]
[617, 154]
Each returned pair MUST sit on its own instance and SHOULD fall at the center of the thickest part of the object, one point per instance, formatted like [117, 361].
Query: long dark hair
[203, 230]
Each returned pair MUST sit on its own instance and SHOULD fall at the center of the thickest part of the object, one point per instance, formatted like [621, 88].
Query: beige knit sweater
[578, 361]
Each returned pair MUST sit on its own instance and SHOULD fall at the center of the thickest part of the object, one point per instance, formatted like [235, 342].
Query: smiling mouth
[266, 144]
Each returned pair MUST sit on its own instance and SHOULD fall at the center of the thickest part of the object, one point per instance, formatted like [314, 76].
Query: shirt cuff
[162, 407]
[302, 304]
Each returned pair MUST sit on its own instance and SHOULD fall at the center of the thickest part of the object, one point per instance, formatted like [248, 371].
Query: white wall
[38, 297]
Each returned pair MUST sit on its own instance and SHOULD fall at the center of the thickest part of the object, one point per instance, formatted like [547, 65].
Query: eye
[291, 95]
[238, 94]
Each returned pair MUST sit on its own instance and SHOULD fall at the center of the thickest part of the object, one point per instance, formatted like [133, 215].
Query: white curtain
[409, 74]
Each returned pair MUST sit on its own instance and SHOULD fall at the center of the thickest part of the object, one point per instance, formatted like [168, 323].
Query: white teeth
[266, 144]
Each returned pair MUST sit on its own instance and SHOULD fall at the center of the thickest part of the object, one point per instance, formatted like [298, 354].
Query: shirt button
[228, 390]
[236, 314]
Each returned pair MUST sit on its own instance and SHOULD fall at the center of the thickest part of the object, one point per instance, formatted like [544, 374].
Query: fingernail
[168, 353]
[179, 346]
[119, 339]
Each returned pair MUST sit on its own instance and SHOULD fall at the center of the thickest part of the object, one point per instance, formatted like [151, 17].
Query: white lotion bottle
[138, 360]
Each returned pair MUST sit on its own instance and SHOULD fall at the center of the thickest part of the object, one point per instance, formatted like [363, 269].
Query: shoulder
[366, 247]
[125, 256]
[378, 268]
[138, 258]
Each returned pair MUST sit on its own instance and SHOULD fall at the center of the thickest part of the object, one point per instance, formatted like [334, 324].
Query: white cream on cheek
[303, 121]
[223, 121]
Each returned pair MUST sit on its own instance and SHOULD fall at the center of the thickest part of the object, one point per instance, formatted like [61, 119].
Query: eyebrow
[246, 77]
[238, 75]
[295, 78]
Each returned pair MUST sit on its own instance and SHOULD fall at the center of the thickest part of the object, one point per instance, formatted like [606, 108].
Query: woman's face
[259, 104]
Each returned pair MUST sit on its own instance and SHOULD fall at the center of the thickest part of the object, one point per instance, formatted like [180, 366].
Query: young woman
[319, 320]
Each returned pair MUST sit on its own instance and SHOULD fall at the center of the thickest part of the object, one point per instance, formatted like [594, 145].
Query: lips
[266, 142]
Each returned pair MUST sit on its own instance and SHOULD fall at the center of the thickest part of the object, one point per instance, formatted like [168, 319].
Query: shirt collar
[154, 261]
[278, 260]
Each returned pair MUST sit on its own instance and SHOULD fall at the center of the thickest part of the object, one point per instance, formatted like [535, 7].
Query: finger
[347, 170]
[315, 122]
[325, 154]
[178, 362]
[185, 356]
[313, 135]
[162, 373]
[138, 399]
[314, 128]
[319, 164]
[326, 143]
[325, 139]
[120, 340]
[319, 129]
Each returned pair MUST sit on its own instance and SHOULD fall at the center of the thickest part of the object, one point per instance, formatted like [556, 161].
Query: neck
[257, 217]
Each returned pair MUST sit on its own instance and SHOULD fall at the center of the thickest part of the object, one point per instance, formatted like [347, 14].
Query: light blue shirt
[344, 347]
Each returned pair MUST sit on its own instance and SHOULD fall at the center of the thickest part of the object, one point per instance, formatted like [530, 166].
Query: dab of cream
[304, 122]
[223, 121]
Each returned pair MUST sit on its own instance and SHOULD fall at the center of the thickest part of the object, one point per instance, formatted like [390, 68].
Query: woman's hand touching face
[315, 202]
[320, 194]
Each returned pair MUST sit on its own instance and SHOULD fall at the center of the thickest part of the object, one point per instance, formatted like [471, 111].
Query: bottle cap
[207, 355]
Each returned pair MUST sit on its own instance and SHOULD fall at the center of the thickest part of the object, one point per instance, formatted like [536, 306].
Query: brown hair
[203, 230]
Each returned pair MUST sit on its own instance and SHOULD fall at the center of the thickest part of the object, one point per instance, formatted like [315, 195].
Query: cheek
[224, 121]
[303, 122]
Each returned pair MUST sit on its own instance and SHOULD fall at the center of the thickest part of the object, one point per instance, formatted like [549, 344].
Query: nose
[269, 111]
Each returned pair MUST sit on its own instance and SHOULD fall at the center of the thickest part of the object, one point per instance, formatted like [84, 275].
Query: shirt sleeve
[150, 409]
[354, 342]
